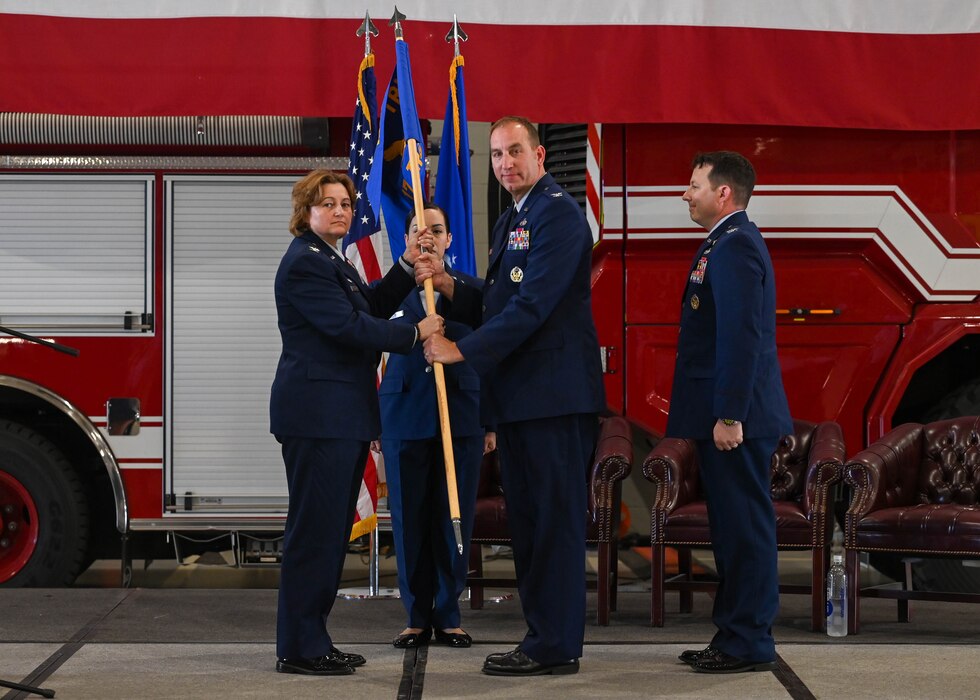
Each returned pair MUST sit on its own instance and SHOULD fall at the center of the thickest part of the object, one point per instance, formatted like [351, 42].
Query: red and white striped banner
[836, 63]
[593, 180]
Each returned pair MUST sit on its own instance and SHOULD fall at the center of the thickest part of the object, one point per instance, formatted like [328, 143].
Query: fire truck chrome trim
[93, 434]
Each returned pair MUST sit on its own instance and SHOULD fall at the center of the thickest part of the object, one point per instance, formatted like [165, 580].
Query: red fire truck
[156, 261]
[160, 277]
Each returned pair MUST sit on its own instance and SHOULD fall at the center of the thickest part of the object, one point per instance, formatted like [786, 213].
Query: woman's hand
[417, 241]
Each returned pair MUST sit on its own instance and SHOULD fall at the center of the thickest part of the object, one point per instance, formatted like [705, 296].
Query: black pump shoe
[458, 640]
[412, 640]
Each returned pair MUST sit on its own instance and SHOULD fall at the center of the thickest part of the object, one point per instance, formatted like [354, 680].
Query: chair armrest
[673, 465]
[613, 463]
[827, 452]
[825, 462]
[825, 467]
[874, 472]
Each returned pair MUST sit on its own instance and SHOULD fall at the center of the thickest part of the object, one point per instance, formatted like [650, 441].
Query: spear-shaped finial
[367, 30]
[456, 35]
[396, 21]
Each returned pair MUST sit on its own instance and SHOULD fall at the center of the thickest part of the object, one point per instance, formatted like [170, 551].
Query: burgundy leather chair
[804, 467]
[915, 491]
[611, 464]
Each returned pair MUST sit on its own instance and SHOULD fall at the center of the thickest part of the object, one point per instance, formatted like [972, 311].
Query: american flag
[366, 251]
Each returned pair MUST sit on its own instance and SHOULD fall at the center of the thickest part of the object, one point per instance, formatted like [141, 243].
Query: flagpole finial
[367, 30]
[396, 21]
[456, 35]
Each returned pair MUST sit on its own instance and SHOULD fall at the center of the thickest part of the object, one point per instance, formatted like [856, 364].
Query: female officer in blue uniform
[431, 572]
[324, 407]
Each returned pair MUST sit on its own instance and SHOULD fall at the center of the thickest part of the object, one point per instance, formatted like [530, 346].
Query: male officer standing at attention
[538, 357]
[728, 396]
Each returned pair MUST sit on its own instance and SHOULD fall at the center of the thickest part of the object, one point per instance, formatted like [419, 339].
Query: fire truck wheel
[43, 511]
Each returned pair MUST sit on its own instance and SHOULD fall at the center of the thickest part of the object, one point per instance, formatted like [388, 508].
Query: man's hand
[438, 349]
[428, 266]
[489, 442]
[430, 326]
[727, 437]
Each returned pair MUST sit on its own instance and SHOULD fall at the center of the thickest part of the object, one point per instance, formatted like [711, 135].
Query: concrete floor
[176, 636]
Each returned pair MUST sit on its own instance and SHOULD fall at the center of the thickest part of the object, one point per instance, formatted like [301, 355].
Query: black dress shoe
[349, 659]
[494, 658]
[412, 640]
[517, 663]
[726, 663]
[459, 640]
[329, 665]
[692, 655]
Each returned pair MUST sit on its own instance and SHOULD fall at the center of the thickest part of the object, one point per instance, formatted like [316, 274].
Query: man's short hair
[532, 131]
[728, 168]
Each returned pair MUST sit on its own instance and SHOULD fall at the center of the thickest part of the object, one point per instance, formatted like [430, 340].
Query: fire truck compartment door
[75, 251]
[226, 235]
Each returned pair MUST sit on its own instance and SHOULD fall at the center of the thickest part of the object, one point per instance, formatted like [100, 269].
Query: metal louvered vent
[268, 131]
[565, 148]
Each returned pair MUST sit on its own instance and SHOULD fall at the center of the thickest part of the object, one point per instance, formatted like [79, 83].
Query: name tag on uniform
[519, 239]
[697, 276]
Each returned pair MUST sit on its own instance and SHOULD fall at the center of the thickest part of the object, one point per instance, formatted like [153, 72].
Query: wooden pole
[414, 165]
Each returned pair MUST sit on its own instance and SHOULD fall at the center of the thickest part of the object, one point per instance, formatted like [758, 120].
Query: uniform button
[493, 280]
[484, 308]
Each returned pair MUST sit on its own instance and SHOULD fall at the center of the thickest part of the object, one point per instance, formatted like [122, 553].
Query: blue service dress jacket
[334, 328]
[727, 365]
[408, 391]
[536, 349]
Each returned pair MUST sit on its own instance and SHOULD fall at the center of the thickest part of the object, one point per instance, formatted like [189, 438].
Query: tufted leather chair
[612, 463]
[916, 491]
[804, 466]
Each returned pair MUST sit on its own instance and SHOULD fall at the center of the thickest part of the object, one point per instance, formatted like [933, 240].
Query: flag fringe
[363, 527]
[458, 62]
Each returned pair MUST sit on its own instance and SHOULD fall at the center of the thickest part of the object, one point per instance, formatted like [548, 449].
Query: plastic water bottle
[837, 598]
